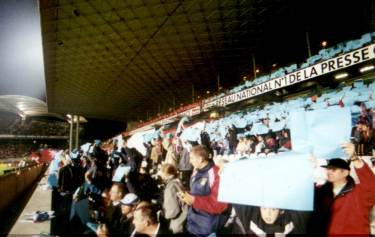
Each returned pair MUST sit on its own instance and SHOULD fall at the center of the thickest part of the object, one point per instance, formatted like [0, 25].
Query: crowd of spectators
[264, 130]
[14, 149]
[173, 189]
[17, 149]
[12, 124]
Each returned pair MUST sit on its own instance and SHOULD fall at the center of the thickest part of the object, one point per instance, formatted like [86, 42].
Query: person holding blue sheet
[206, 214]
[341, 206]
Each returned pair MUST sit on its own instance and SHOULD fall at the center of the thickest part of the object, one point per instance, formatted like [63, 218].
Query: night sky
[21, 56]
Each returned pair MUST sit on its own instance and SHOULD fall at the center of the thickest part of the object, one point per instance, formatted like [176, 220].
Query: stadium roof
[25, 106]
[121, 60]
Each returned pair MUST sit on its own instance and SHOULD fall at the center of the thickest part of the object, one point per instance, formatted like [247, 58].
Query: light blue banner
[283, 181]
[321, 132]
[120, 172]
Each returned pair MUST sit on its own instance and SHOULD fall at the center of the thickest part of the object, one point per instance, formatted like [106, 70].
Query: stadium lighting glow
[214, 115]
[257, 71]
[341, 75]
[366, 68]
[324, 43]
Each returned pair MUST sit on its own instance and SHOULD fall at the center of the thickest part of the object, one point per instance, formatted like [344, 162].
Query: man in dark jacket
[124, 226]
[261, 221]
[113, 213]
[131, 157]
[70, 177]
[146, 222]
[232, 138]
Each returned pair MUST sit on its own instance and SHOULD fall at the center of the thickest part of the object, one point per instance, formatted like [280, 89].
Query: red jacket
[348, 212]
[209, 203]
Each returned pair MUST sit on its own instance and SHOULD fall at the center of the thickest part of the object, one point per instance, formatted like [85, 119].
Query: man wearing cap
[124, 226]
[341, 206]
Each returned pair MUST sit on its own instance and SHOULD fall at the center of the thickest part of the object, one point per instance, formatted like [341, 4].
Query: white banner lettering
[328, 66]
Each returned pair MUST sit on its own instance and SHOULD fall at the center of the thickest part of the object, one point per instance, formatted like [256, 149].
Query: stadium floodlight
[341, 75]
[366, 68]
[214, 115]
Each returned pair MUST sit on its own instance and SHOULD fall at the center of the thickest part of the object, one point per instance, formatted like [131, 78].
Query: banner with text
[328, 66]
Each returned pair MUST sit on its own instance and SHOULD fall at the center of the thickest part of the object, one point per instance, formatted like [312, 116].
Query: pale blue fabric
[321, 132]
[283, 181]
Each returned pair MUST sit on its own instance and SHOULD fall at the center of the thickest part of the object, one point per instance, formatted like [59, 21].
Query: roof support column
[254, 67]
[308, 44]
[77, 132]
[71, 134]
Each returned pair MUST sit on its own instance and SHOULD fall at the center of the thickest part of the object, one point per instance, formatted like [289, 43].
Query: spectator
[232, 139]
[113, 213]
[184, 166]
[242, 146]
[124, 226]
[364, 137]
[284, 140]
[170, 156]
[262, 221]
[146, 222]
[142, 184]
[174, 211]
[156, 153]
[71, 175]
[341, 206]
[259, 148]
[206, 214]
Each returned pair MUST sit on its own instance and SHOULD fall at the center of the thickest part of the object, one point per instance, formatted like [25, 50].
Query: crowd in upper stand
[323, 54]
[12, 124]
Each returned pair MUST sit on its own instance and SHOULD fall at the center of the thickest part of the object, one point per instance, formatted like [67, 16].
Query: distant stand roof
[25, 106]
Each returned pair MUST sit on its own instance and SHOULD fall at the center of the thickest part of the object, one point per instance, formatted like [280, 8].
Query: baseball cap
[129, 199]
[337, 163]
